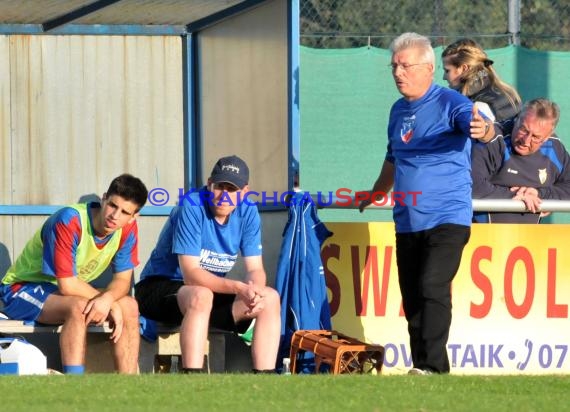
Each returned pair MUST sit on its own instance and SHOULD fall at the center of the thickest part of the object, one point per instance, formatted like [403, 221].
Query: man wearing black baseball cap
[228, 184]
[230, 169]
[184, 280]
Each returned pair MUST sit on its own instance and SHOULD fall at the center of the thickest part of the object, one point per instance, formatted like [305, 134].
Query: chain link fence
[535, 24]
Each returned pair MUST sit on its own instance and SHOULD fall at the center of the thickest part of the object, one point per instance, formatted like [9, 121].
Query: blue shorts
[25, 301]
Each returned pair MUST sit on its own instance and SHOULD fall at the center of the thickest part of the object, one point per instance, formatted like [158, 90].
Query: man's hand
[366, 198]
[116, 322]
[252, 296]
[479, 126]
[97, 309]
[529, 195]
[256, 306]
[364, 204]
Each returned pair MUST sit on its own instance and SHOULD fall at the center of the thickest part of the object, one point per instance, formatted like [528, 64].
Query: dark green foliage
[545, 24]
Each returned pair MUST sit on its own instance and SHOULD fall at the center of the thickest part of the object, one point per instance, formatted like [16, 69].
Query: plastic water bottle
[286, 366]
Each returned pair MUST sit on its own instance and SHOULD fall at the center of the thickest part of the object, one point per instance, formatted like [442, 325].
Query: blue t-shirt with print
[191, 229]
[429, 143]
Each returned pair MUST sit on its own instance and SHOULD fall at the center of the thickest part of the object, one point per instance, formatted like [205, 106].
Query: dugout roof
[178, 16]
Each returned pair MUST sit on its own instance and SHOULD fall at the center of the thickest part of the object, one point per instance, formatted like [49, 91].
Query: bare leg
[126, 350]
[67, 310]
[195, 303]
[267, 330]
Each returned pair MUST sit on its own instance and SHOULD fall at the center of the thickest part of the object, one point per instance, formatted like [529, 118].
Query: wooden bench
[46, 338]
[19, 327]
[166, 346]
[165, 353]
[230, 353]
[342, 353]
[224, 352]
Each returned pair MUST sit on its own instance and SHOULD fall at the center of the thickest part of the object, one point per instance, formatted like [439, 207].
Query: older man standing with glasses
[527, 164]
[429, 146]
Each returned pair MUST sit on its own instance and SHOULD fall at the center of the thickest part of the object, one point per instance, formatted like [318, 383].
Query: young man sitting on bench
[49, 282]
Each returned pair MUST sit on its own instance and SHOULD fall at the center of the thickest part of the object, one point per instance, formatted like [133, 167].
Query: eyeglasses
[404, 66]
[527, 134]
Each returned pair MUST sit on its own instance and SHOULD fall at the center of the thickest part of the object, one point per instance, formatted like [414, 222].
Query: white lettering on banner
[393, 352]
[476, 356]
[494, 356]
[547, 355]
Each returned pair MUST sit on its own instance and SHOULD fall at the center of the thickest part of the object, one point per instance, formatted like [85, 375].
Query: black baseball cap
[230, 169]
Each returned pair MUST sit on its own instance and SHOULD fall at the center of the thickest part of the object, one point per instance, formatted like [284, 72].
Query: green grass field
[322, 393]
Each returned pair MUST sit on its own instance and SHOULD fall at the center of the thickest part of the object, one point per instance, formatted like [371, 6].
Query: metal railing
[510, 205]
[479, 205]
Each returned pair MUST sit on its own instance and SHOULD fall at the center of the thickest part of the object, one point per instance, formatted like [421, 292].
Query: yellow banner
[510, 297]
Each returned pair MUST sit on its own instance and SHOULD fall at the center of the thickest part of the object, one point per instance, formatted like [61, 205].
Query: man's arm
[60, 237]
[123, 263]
[255, 271]
[104, 303]
[196, 276]
[561, 188]
[120, 286]
[257, 278]
[486, 161]
[383, 184]
[73, 286]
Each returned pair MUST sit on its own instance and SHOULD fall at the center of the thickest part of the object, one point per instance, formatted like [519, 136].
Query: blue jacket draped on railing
[300, 278]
